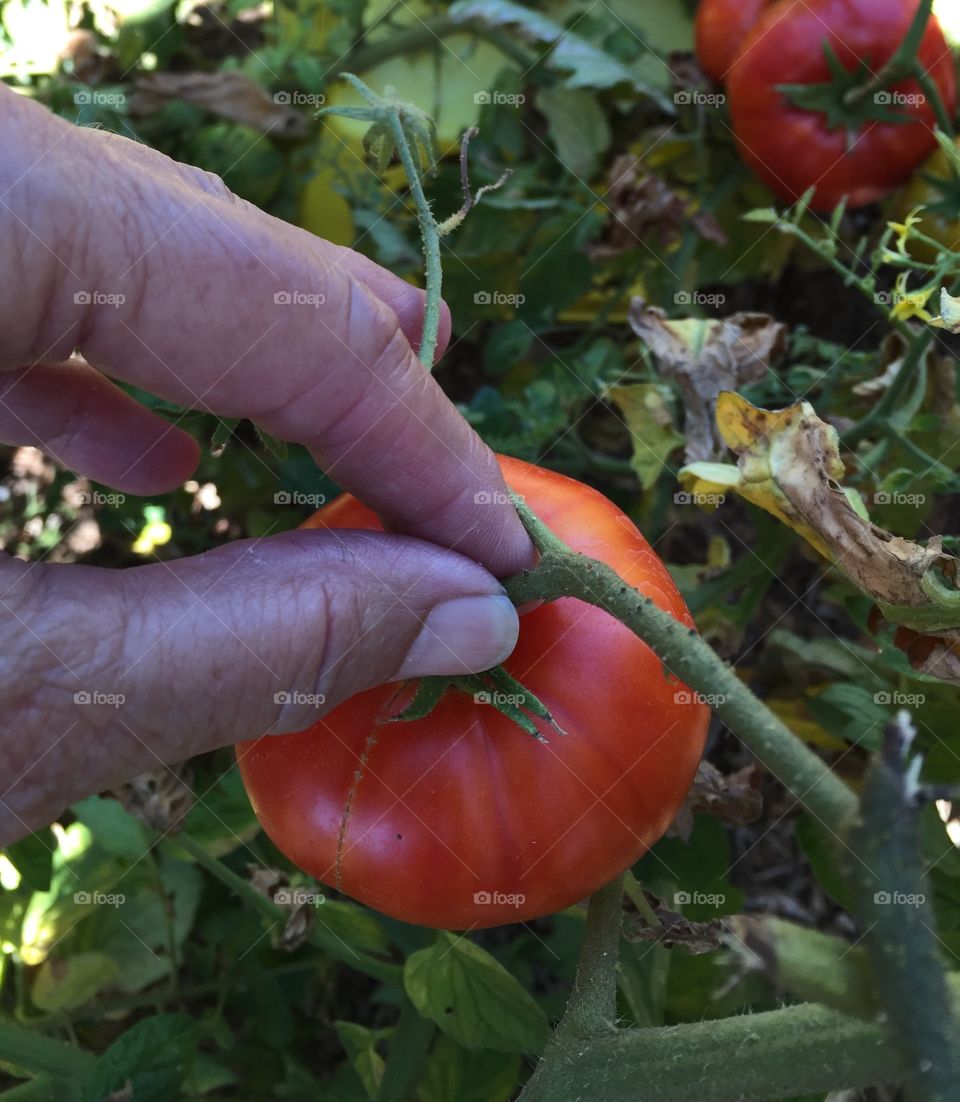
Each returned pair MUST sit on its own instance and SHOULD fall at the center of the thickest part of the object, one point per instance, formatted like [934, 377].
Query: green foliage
[108, 934]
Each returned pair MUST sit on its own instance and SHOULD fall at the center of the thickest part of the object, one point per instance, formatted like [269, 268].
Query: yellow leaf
[788, 463]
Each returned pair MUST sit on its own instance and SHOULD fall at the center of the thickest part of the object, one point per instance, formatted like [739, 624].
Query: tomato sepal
[494, 687]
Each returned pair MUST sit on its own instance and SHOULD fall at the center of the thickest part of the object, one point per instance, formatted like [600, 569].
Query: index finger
[166, 280]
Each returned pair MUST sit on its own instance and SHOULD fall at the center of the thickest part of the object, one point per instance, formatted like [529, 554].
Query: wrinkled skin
[199, 648]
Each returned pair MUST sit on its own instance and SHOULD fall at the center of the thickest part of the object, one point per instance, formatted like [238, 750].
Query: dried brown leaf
[643, 206]
[159, 798]
[230, 95]
[733, 798]
[673, 929]
[706, 357]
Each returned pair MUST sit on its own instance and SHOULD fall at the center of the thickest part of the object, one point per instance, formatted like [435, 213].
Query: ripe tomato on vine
[460, 819]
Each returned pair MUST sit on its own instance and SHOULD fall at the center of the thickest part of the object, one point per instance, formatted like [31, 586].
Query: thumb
[255, 638]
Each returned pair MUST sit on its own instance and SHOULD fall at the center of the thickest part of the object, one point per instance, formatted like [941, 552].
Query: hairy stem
[799, 1050]
[564, 573]
[430, 235]
[891, 902]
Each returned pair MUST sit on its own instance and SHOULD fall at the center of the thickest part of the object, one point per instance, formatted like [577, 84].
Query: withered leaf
[159, 798]
[230, 95]
[788, 462]
[674, 929]
[733, 798]
[706, 357]
[642, 206]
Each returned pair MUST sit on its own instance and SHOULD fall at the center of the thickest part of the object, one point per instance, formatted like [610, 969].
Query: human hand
[163, 279]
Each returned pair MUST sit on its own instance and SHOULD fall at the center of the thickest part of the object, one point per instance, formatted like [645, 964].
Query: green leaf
[223, 819]
[454, 1072]
[112, 826]
[819, 847]
[137, 933]
[646, 410]
[584, 64]
[277, 448]
[578, 127]
[353, 925]
[67, 984]
[155, 1057]
[473, 998]
[32, 857]
[222, 433]
[360, 1044]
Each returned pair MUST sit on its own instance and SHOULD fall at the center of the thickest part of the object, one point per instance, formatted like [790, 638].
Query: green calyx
[841, 100]
[495, 688]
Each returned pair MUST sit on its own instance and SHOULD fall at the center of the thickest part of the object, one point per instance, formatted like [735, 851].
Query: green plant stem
[635, 893]
[592, 1008]
[319, 936]
[929, 88]
[799, 1050]
[408, 1053]
[917, 346]
[901, 63]
[930, 464]
[430, 235]
[564, 573]
[891, 901]
[42, 1055]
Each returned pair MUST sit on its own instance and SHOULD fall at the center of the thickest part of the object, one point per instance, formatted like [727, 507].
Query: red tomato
[719, 31]
[792, 149]
[463, 820]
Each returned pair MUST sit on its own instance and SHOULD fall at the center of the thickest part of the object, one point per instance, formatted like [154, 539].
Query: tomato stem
[901, 64]
[562, 572]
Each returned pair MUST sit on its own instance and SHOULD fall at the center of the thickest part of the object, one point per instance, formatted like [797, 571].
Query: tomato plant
[460, 819]
[936, 189]
[796, 116]
[720, 29]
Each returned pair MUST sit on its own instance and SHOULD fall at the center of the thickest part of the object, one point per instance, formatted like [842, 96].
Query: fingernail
[465, 635]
